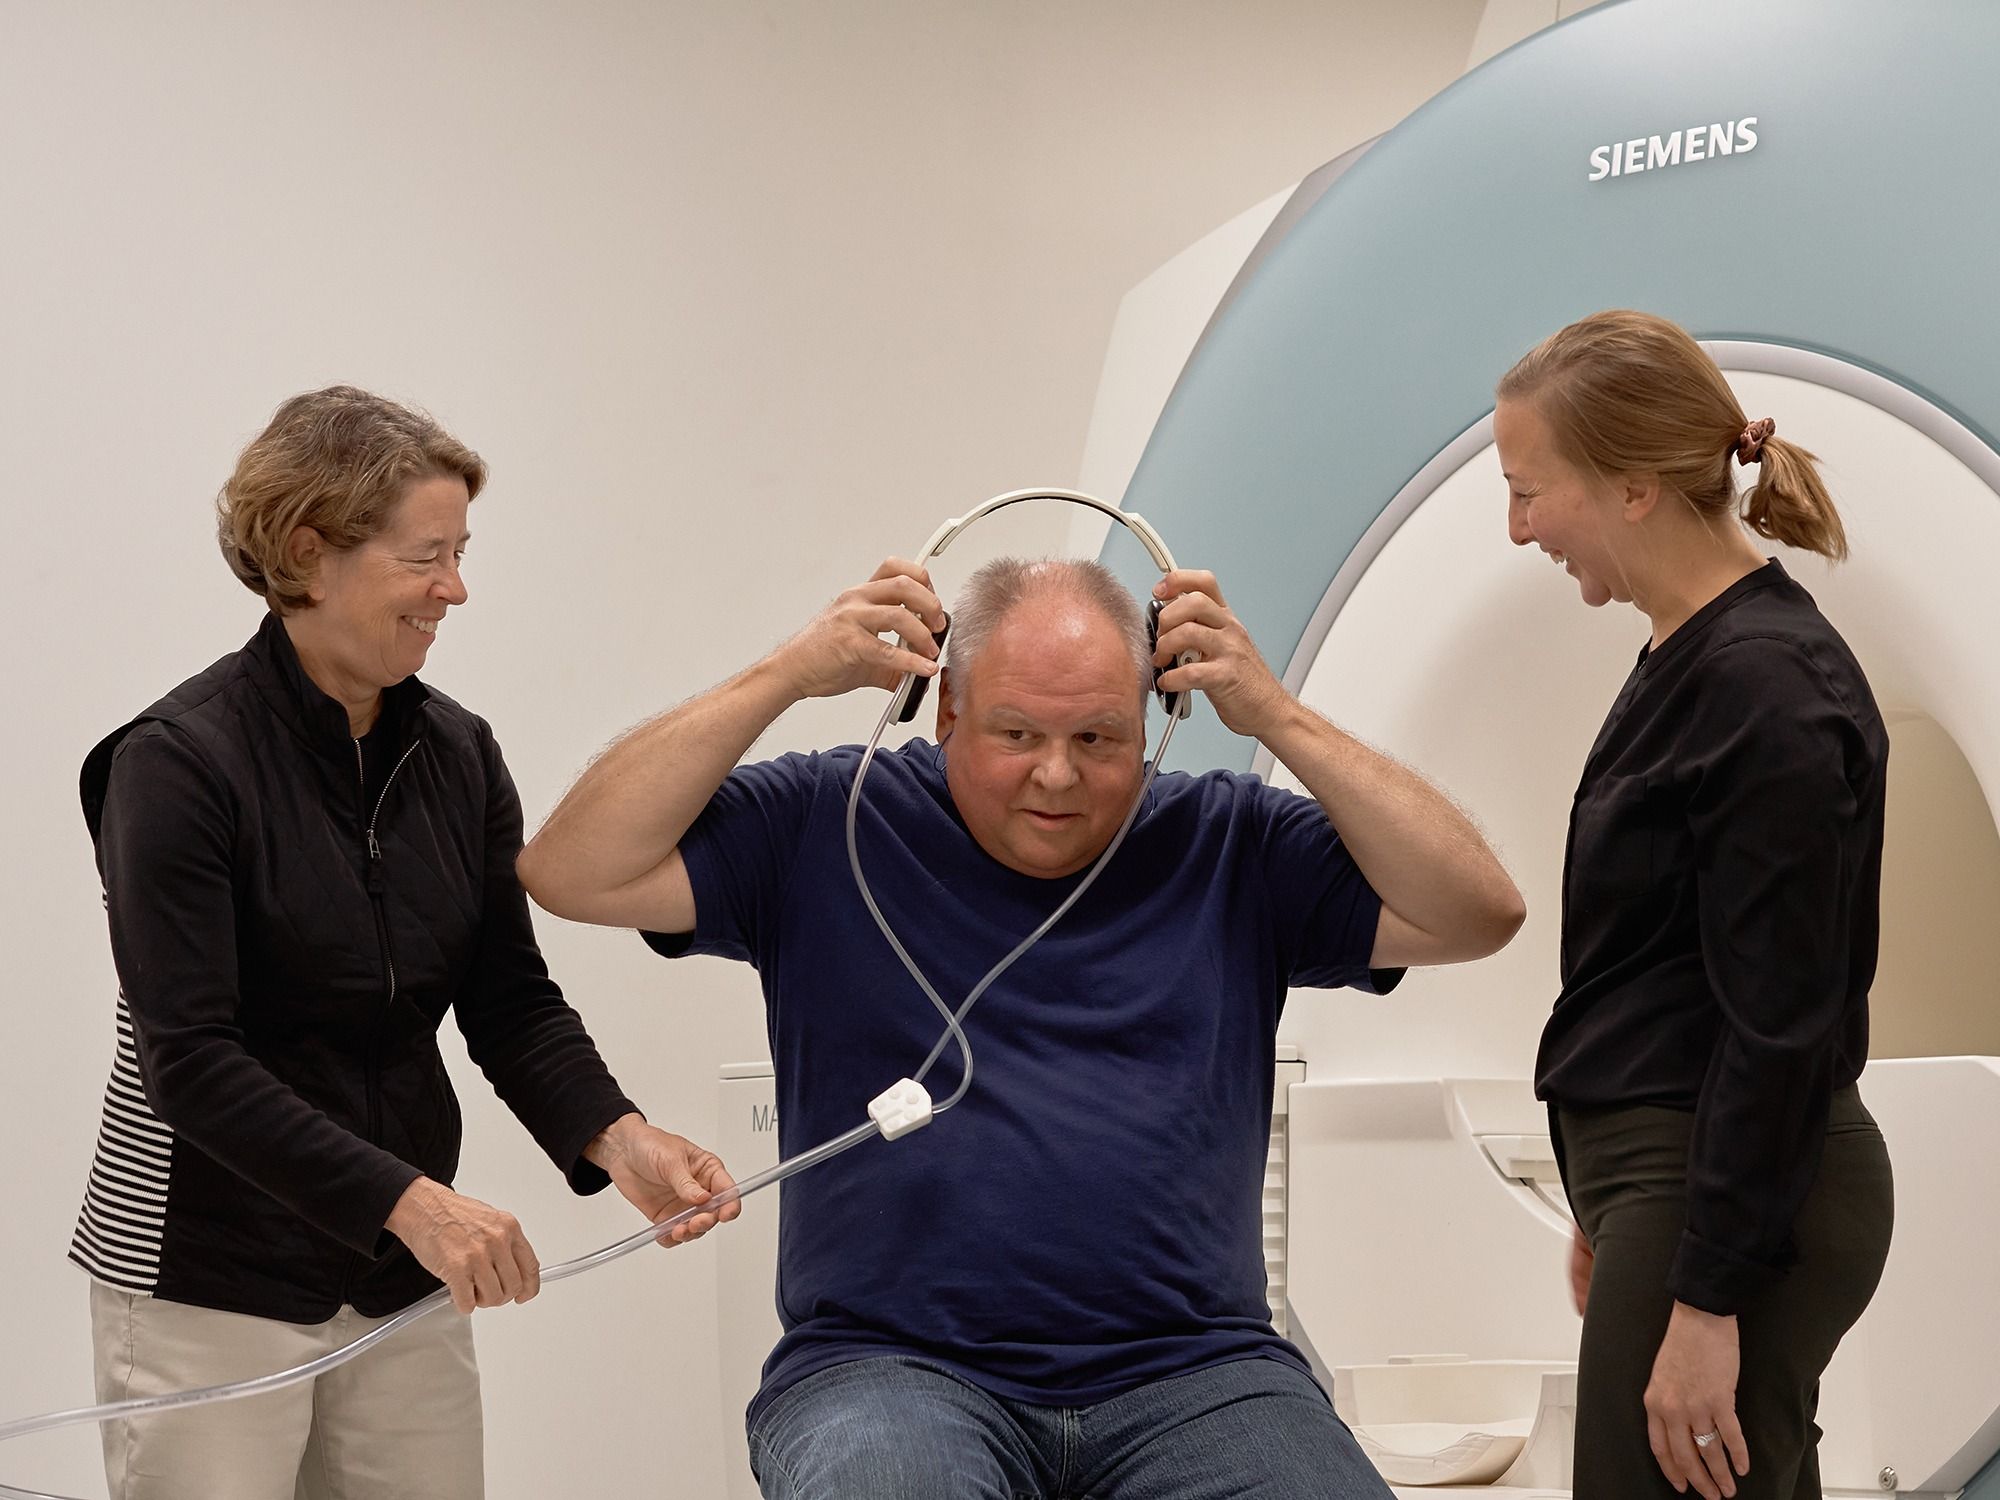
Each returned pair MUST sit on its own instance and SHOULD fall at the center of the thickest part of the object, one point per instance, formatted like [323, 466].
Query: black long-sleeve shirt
[1720, 914]
[292, 915]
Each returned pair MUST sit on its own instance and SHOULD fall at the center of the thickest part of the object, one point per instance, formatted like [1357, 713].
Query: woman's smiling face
[1571, 516]
[376, 607]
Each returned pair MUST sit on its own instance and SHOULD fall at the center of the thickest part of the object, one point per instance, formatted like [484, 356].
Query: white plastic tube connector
[903, 1106]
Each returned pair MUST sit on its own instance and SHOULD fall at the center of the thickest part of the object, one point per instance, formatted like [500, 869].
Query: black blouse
[1719, 914]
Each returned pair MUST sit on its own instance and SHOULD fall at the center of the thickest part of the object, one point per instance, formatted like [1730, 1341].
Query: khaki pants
[401, 1421]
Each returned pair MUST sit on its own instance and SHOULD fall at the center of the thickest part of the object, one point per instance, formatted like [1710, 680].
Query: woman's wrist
[608, 1145]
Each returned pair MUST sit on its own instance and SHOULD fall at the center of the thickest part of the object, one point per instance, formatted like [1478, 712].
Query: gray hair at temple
[993, 592]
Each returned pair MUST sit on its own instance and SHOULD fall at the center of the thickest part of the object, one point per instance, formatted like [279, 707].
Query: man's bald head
[1063, 594]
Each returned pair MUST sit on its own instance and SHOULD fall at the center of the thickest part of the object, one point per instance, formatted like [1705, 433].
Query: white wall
[734, 298]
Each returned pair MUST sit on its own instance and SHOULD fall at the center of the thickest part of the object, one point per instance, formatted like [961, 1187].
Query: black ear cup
[921, 685]
[1174, 705]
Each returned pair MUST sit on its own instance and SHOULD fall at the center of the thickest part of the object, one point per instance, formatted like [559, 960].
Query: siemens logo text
[1696, 143]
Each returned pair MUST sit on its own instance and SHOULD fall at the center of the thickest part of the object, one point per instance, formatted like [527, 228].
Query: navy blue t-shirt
[1088, 1218]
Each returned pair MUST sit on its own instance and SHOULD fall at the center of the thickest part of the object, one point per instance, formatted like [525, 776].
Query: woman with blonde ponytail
[1732, 1194]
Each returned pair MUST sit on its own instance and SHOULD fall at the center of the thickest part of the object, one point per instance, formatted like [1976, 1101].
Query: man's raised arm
[610, 852]
[1445, 896]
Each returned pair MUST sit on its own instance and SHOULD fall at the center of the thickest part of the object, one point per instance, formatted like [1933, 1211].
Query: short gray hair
[992, 593]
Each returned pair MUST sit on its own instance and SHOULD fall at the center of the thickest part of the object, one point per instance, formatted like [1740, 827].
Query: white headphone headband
[909, 693]
[1131, 520]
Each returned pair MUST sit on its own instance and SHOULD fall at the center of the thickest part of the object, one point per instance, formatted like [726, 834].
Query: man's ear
[305, 549]
[947, 708]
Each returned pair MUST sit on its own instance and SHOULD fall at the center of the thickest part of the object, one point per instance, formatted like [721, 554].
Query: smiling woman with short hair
[308, 859]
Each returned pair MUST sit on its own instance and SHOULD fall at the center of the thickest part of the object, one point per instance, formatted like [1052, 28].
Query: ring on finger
[1703, 1439]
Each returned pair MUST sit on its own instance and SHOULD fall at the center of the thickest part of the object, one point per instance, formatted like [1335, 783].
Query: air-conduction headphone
[1176, 705]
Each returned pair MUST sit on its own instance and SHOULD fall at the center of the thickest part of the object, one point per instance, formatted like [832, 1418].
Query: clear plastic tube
[139, 1406]
[954, 1029]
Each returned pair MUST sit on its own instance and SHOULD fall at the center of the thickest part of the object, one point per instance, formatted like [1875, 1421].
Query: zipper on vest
[376, 889]
[376, 884]
[354, 1259]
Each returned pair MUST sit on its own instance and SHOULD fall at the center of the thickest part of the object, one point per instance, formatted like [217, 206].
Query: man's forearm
[628, 811]
[1421, 854]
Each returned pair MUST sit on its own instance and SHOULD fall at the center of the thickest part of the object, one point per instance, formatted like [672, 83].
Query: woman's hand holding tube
[661, 1174]
[475, 1249]
[842, 647]
[1693, 1392]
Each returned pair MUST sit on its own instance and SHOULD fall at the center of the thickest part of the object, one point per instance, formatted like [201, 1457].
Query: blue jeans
[896, 1428]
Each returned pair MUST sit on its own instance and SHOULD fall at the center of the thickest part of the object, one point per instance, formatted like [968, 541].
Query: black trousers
[1626, 1173]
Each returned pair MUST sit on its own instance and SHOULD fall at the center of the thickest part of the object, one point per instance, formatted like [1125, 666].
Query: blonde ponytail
[1790, 503]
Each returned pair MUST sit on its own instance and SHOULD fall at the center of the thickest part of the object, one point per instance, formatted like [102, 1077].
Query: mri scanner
[1807, 185]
